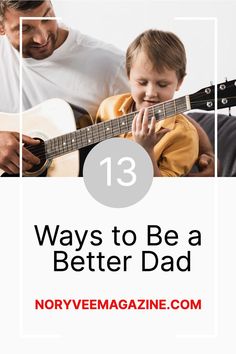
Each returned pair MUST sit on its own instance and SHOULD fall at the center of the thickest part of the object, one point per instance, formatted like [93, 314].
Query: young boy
[156, 65]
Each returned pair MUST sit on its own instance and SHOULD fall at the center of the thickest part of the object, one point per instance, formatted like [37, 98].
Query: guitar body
[50, 119]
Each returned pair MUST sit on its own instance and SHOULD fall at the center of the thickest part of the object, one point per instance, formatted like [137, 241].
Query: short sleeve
[180, 149]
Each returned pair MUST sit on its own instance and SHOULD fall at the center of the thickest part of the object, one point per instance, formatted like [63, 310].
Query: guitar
[59, 154]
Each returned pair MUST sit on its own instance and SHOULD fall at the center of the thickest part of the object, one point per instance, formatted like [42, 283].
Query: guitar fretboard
[96, 133]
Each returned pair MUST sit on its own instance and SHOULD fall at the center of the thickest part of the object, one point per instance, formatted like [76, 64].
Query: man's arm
[9, 152]
[206, 162]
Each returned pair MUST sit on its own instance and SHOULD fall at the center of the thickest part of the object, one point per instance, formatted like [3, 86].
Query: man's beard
[37, 52]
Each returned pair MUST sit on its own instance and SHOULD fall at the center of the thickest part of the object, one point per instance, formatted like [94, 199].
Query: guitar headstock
[205, 98]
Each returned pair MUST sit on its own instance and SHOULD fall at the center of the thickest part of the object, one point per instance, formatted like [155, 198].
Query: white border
[21, 208]
[21, 248]
[215, 214]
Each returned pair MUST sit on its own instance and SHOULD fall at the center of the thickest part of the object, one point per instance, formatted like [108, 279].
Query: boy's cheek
[136, 92]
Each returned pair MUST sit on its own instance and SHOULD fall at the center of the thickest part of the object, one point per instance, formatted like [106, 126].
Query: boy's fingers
[145, 122]
[152, 126]
[139, 119]
[134, 123]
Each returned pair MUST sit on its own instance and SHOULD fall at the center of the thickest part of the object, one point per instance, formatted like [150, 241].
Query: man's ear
[2, 30]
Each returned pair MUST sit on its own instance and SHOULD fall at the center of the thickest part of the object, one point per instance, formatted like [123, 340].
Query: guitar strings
[39, 151]
[82, 140]
[60, 150]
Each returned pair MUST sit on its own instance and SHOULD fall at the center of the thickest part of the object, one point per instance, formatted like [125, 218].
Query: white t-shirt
[83, 71]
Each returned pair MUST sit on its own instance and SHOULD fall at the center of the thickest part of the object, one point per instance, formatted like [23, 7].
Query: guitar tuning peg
[211, 83]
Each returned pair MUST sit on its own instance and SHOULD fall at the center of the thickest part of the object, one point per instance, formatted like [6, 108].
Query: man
[57, 62]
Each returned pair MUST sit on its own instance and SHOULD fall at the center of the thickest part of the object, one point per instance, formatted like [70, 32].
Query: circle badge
[118, 172]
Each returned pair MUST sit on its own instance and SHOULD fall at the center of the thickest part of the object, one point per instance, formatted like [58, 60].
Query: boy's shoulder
[117, 99]
[113, 106]
[184, 130]
[184, 121]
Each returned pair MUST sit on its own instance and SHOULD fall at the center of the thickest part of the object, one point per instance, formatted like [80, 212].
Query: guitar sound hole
[83, 152]
[39, 151]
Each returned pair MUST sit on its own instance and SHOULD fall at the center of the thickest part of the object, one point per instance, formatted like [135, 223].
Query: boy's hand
[146, 135]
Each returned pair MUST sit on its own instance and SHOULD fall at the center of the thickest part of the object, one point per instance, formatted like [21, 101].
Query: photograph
[71, 80]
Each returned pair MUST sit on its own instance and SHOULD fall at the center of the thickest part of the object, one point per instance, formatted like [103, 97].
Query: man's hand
[206, 165]
[205, 162]
[10, 150]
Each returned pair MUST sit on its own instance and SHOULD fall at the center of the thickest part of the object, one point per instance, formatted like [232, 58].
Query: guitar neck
[96, 133]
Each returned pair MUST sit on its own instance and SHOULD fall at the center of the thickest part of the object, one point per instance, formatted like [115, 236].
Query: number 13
[128, 171]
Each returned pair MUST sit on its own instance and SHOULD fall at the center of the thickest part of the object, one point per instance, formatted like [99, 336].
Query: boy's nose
[151, 91]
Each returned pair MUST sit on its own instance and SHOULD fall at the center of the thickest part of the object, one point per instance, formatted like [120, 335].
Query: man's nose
[40, 36]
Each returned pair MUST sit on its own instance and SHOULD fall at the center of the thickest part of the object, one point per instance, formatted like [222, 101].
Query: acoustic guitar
[53, 123]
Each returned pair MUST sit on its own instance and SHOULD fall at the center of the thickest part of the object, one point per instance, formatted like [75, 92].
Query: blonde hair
[164, 50]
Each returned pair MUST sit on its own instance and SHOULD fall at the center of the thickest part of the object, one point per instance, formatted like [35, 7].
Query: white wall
[119, 22]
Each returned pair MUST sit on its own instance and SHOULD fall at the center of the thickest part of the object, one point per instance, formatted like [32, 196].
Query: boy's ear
[179, 84]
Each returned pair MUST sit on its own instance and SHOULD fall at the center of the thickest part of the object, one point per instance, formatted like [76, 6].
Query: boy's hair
[21, 5]
[164, 50]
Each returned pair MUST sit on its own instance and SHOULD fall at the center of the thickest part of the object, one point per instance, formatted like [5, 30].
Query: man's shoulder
[4, 43]
[7, 52]
[97, 46]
